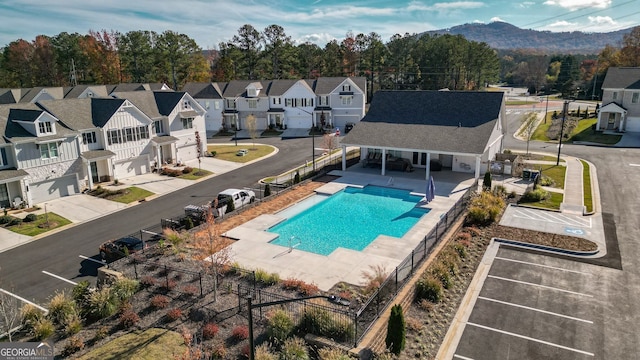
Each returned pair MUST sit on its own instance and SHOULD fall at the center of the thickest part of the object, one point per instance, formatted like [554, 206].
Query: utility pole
[564, 116]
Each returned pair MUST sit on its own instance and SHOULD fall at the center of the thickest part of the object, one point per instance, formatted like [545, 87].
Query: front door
[94, 172]
[611, 124]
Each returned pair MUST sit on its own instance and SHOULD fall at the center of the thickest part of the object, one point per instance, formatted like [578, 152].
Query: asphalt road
[59, 254]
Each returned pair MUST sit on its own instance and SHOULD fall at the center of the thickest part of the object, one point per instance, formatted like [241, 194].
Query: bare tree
[9, 314]
[252, 127]
[214, 248]
[330, 143]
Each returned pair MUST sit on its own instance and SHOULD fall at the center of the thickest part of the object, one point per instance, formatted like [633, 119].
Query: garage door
[297, 122]
[187, 153]
[137, 166]
[53, 189]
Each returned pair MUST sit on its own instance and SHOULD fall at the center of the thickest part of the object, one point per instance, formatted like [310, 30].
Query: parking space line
[456, 356]
[59, 277]
[90, 259]
[531, 339]
[540, 265]
[534, 309]
[538, 285]
[552, 218]
[24, 300]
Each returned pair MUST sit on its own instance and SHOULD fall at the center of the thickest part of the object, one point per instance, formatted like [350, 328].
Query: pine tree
[396, 330]
[486, 183]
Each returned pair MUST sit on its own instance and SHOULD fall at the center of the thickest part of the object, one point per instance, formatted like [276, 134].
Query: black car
[348, 127]
[119, 248]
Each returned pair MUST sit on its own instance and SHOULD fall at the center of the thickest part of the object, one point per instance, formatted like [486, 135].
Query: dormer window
[45, 128]
[186, 104]
[252, 92]
[346, 87]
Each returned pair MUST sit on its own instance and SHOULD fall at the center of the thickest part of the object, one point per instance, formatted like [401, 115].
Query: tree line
[109, 57]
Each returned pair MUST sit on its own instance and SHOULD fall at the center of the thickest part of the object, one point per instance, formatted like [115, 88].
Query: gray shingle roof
[74, 113]
[24, 115]
[14, 132]
[143, 100]
[8, 174]
[444, 121]
[279, 87]
[622, 78]
[203, 90]
[54, 92]
[75, 91]
[7, 96]
[325, 85]
[167, 101]
[237, 88]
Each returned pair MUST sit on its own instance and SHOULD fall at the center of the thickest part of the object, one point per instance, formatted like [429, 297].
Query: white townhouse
[39, 156]
[620, 109]
[324, 102]
[209, 96]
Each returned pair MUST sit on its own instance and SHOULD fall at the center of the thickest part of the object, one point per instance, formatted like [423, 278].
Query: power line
[577, 16]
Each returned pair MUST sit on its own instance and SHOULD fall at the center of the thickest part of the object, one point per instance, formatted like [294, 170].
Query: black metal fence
[379, 301]
[315, 316]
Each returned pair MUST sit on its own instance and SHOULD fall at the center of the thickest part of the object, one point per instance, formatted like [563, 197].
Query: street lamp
[250, 306]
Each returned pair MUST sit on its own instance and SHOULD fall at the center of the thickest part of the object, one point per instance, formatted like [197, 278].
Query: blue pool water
[351, 219]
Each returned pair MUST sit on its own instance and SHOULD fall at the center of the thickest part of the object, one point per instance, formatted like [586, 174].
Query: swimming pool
[351, 218]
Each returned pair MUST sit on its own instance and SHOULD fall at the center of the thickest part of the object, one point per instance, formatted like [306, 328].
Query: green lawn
[586, 186]
[228, 152]
[555, 172]
[582, 132]
[39, 226]
[150, 344]
[130, 195]
[540, 133]
[553, 202]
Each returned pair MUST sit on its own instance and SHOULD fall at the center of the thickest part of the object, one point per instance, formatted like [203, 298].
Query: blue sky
[210, 22]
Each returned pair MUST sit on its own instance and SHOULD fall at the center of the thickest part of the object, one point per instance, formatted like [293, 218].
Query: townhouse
[620, 109]
[51, 147]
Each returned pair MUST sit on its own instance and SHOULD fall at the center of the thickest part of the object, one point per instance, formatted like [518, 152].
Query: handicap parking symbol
[573, 231]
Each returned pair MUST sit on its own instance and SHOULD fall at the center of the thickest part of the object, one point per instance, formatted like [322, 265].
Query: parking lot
[533, 306]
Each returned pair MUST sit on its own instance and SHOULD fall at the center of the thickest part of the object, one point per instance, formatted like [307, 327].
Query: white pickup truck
[238, 196]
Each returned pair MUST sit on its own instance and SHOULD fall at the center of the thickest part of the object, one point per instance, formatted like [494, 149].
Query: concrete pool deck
[253, 251]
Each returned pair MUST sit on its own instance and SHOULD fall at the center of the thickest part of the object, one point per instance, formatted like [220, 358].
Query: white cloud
[599, 20]
[495, 18]
[478, 21]
[458, 5]
[526, 4]
[561, 25]
[579, 4]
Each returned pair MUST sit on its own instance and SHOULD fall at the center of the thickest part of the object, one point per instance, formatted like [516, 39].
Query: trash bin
[526, 174]
[534, 174]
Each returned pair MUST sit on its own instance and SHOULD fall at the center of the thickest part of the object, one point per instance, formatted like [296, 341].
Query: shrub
[101, 333]
[147, 281]
[320, 322]
[461, 249]
[29, 315]
[214, 153]
[429, 288]
[536, 195]
[240, 332]
[81, 293]
[72, 323]
[441, 272]
[187, 170]
[512, 195]
[263, 277]
[102, 303]
[159, 301]
[308, 289]
[484, 208]
[396, 330]
[209, 331]
[30, 218]
[124, 288]
[294, 349]
[374, 278]
[60, 306]
[73, 345]
[279, 326]
[546, 181]
[190, 290]
[219, 352]
[474, 231]
[296, 178]
[5, 219]
[14, 221]
[169, 285]
[231, 206]
[128, 318]
[450, 259]
[267, 190]
[43, 328]
[174, 314]
[332, 354]
[264, 353]
[292, 284]
[500, 190]
[425, 305]
[413, 324]
[463, 236]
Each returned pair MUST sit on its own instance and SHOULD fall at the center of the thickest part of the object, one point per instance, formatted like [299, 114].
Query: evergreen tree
[486, 182]
[396, 330]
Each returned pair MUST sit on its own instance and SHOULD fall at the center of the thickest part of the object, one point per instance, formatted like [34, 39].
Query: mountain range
[504, 36]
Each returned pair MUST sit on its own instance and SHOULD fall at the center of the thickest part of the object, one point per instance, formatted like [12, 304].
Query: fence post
[239, 299]
[355, 329]
[397, 275]
[166, 276]
[135, 267]
[254, 280]
[425, 246]
[200, 278]
[411, 262]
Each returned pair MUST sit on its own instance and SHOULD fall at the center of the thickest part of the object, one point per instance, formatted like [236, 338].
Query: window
[216, 105]
[187, 123]
[129, 134]
[157, 127]
[346, 87]
[3, 157]
[186, 104]
[4, 196]
[288, 102]
[114, 137]
[89, 138]
[346, 100]
[277, 101]
[49, 150]
[253, 103]
[230, 104]
[45, 127]
[143, 132]
[206, 105]
[634, 97]
[615, 95]
[323, 100]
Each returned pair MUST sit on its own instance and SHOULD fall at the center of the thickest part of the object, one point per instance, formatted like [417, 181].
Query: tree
[330, 143]
[44, 62]
[630, 52]
[486, 182]
[396, 330]
[101, 51]
[138, 55]
[176, 52]
[249, 42]
[252, 126]
[277, 46]
[17, 64]
[9, 314]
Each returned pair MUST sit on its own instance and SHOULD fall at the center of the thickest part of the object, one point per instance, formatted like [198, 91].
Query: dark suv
[119, 248]
[348, 127]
